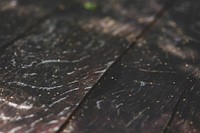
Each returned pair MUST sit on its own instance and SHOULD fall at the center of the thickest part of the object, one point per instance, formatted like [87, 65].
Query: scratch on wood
[34, 87]
[135, 117]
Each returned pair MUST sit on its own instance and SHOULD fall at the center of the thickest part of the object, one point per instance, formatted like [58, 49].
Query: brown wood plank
[46, 74]
[154, 86]
[17, 16]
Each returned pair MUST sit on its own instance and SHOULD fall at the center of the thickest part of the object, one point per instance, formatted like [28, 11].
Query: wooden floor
[129, 66]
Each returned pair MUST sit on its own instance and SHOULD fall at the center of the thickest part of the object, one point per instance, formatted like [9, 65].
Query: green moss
[90, 6]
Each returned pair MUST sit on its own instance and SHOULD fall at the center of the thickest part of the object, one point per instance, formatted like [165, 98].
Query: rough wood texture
[177, 36]
[17, 16]
[155, 87]
[123, 18]
[184, 48]
[137, 95]
[46, 74]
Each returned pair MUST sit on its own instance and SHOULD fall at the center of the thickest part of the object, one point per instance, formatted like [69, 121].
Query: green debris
[90, 6]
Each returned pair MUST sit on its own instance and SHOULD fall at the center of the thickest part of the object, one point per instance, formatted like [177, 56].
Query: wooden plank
[138, 95]
[186, 48]
[123, 18]
[154, 86]
[46, 74]
[17, 16]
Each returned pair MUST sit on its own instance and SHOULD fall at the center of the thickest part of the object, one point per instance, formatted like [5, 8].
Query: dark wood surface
[186, 54]
[68, 69]
[46, 73]
[155, 87]
[19, 16]
[138, 95]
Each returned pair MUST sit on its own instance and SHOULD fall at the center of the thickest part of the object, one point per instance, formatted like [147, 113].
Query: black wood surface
[18, 16]
[155, 87]
[46, 74]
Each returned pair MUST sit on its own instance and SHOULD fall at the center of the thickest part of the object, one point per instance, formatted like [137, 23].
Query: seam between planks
[157, 16]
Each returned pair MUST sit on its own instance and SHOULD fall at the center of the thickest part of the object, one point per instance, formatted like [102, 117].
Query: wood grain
[46, 74]
[18, 16]
[155, 87]
[186, 51]
[137, 95]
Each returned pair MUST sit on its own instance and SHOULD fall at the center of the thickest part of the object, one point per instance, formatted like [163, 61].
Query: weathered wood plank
[185, 46]
[123, 18]
[154, 86]
[138, 95]
[17, 16]
[45, 75]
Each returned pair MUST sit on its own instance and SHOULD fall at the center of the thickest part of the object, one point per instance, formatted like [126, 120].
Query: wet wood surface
[45, 74]
[75, 71]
